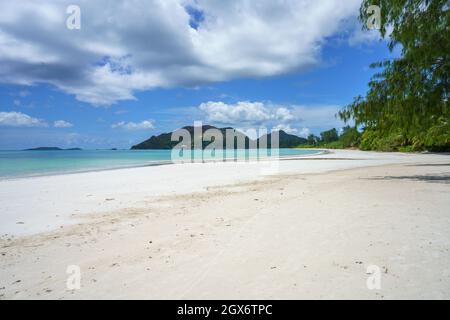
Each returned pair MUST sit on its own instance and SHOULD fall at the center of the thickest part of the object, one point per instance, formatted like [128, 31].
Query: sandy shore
[308, 229]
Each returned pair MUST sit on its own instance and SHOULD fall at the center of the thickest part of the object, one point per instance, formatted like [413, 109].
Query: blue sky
[299, 89]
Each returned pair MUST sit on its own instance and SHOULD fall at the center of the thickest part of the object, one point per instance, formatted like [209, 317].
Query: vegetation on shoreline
[406, 107]
[350, 137]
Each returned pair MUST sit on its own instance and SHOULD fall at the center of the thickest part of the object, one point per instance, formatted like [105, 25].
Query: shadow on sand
[430, 178]
[429, 165]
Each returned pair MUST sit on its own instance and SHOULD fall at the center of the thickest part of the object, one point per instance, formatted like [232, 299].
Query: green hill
[163, 141]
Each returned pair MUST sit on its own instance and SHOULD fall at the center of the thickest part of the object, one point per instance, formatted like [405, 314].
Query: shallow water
[34, 163]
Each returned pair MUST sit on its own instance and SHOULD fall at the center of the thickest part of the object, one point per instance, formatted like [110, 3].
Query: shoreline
[40, 204]
[161, 163]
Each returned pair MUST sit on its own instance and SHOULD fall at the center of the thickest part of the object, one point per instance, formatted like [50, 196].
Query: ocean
[16, 164]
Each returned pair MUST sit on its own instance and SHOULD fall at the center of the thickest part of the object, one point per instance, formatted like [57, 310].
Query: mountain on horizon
[163, 141]
[52, 149]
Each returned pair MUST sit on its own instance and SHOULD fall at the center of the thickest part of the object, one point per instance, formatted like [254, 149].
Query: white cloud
[286, 128]
[361, 37]
[300, 131]
[62, 124]
[245, 112]
[251, 112]
[150, 43]
[19, 119]
[144, 125]
[294, 119]
[284, 115]
[304, 132]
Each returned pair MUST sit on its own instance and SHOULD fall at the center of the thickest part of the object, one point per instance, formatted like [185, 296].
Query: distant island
[52, 149]
[163, 141]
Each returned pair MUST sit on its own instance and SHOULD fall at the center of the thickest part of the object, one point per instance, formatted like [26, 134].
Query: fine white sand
[307, 228]
[39, 204]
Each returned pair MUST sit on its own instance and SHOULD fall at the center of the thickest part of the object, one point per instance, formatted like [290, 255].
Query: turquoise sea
[15, 164]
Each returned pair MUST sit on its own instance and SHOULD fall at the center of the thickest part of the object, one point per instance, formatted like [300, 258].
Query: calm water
[31, 163]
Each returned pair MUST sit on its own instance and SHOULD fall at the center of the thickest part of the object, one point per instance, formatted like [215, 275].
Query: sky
[138, 68]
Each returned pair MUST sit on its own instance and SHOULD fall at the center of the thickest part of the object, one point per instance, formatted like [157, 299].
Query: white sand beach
[241, 230]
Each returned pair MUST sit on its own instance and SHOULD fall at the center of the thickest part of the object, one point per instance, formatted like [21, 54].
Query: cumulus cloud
[62, 124]
[241, 112]
[284, 115]
[131, 126]
[124, 47]
[294, 119]
[19, 119]
[304, 132]
[248, 113]
[286, 128]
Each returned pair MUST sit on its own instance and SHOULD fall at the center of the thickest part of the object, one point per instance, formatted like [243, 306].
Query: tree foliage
[312, 140]
[349, 138]
[329, 136]
[406, 105]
